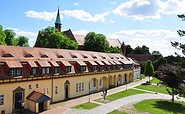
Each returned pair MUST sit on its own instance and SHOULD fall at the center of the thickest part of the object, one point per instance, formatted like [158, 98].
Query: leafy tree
[2, 36]
[158, 62]
[96, 42]
[114, 49]
[10, 37]
[174, 79]
[149, 69]
[141, 50]
[181, 32]
[129, 49]
[145, 49]
[22, 41]
[50, 37]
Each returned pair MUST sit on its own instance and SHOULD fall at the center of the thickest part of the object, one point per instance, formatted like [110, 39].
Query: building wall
[31, 105]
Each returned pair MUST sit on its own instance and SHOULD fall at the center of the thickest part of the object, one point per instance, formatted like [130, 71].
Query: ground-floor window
[79, 87]
[1, 99]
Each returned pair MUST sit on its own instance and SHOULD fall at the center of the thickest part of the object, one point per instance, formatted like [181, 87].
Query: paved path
[60, 108]
[106, 108]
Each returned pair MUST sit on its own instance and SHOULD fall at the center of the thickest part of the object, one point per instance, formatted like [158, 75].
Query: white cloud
[113, 2]
[81, 32]
[158, 40]
[149, 9]
[76, 4]
[47, 16]
[112, 21]
[31, 35]
[85, 16]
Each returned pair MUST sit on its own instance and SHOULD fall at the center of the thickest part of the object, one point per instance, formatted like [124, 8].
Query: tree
[96, 42]
[2, 36]
[50, 37]
[158, 62]
[129, 49]
[114, 49]
[149, 69]
[10, 37]
[173, 78]
[141, 50]
[22, 41]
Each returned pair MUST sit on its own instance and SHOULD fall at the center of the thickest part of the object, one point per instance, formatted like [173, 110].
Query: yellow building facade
[32, 78]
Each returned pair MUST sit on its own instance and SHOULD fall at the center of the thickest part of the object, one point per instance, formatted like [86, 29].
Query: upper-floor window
[79, 86]
[82, 68]
[1, 99]
[56, 90]
[29, 86]
[109, 67]
[45, 70]
[37, 85]
[76, 87]
[114, 67]
[56, 70]
[119, 67]
[16, 72]
[68, 69]
[94, 67]
[102, 67]
[34, 71]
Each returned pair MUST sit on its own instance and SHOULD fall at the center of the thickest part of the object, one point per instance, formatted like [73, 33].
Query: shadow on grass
[170, 107]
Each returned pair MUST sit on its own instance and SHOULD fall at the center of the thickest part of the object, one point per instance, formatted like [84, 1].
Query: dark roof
[58, 18]
[37, 97]
[141, 58]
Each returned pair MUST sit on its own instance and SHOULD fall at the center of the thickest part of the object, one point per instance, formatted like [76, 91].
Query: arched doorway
[130, 77]
[119, 80]
[93, 85]
[115, 82]
[124, 78]
[103, 83]
[18, 98]
[66, 88]
[111, 85]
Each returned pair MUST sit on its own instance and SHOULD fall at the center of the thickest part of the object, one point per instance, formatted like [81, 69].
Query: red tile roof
[141, 58]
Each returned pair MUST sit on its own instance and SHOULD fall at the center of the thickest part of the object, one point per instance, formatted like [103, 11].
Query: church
[32, 78]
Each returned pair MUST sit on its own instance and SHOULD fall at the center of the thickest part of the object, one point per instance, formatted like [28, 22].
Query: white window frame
[1, 99]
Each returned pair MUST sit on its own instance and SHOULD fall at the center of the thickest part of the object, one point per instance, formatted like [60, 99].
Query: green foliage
[114, 49]
[22, 41]
[160, 107]
[96, 42]
[86, 106]
[116, 112]
[10, 37]
[129, 49]
[149, 69]
[158, 62]
[154, 88]
[2, 36]
[51, 38]
[141, 50]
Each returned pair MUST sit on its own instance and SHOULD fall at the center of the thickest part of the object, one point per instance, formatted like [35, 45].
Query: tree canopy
[149, 69]
[2, 36]
[22, 41]
[50, 37]
[96, 42]
[10, 37]
[137, 50]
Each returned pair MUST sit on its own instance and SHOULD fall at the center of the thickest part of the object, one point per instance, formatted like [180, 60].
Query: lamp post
[89, 92]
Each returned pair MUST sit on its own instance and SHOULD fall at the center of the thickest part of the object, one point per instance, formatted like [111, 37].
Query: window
[45, 70]
[82, 86]
[56, 90]
[29, 86]
[34, 71]
[76, 87]
[37, 85]
[94, 67]
[79, 86]
[94, 82]
[108, 67]
[82, 68]
[101, 67]
[16, 72]
[114, 67]
[56, 70]
[1, 99]
[68, 69]
[119, 67]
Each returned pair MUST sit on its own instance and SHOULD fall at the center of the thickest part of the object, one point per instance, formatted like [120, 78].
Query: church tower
[58, 22]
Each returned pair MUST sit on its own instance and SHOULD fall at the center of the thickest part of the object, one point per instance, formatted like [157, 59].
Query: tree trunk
[173, 95]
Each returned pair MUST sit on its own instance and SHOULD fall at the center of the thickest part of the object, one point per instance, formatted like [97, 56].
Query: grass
[161, 107]
[155, 80]
[121, 95]
[86, 106]
[116, 112]
[154, 88]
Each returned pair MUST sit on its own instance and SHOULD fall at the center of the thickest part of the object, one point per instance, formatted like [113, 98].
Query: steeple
[58, 22]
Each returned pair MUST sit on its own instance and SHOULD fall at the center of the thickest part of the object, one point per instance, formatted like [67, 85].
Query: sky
[135, 22]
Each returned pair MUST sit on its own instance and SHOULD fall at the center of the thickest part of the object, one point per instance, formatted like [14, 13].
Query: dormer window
[103, 57]
[44, 56]
[82, 68]
[60, 56]
[112, 57]
[94, 57]
[84, 56]
[121, 57]
[7, 55]
[117, 57]
[28, 55]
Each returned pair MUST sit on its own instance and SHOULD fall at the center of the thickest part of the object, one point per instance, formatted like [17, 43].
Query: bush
[142, 76]
[156, 74]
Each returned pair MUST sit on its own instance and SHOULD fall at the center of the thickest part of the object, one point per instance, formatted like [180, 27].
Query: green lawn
[161, 107]
[86, 106]
[154, 88]
[155, 80]
[121, 94]
[117, 112]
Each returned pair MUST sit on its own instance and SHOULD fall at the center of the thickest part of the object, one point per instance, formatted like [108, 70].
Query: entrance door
[18, 99]
[41, 106]
[67, 91]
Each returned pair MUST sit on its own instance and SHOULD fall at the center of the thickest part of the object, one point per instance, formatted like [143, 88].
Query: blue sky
[136, 22]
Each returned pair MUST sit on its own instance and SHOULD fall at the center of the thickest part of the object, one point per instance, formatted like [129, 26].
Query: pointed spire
[58, 22]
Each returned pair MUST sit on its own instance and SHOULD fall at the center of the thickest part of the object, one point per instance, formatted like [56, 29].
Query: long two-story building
[32, 78]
